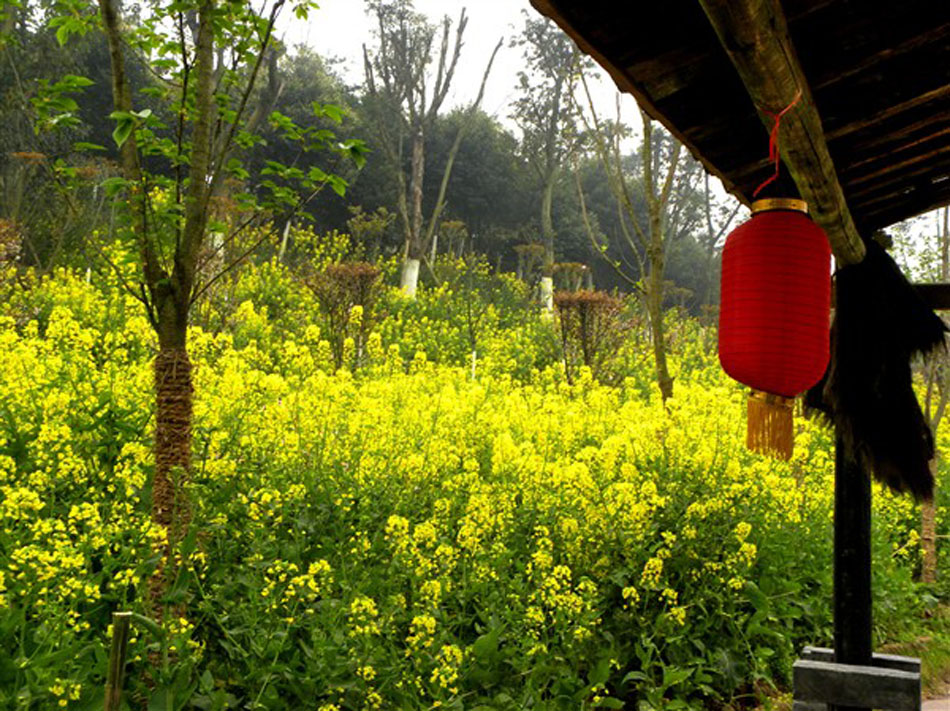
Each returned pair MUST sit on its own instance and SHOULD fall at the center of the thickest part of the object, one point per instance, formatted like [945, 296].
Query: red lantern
[773, 319]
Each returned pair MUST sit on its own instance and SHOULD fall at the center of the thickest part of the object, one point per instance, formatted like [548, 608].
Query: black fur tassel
[880, 324]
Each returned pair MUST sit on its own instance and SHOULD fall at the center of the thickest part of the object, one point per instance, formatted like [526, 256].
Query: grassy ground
[934, 653]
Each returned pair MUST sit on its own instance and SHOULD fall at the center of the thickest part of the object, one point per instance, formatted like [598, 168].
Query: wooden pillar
[852, 561]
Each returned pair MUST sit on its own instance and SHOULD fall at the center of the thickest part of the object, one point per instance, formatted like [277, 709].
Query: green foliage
[407, 534]
[469, 309]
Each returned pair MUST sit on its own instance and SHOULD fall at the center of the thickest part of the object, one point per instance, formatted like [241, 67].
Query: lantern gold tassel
[770, 427]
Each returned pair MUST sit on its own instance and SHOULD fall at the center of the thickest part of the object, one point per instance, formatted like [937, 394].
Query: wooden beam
[908, 45]
[887, 137]
[914, 147]
[755, 35]
[903, 180]
[917, 204]
[936, 296]
[891, 164]
[876, 117]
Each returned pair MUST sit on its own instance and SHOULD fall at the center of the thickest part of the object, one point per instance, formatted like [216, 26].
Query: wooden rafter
[552, 10]
[891, 111]
[755, 36]
[880, 79]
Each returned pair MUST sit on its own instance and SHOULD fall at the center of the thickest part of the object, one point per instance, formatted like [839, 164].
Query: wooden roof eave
[755, 38]
[626, 84]
[754, 34]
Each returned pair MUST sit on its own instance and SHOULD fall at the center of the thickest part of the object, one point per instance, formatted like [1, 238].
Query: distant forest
[565, 195]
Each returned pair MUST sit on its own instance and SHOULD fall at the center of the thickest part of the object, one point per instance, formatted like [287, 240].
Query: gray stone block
[874, 687]
[888, 661]
[808, 706]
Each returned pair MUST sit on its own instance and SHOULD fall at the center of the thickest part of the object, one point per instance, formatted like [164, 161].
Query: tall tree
[207, 58]
[403, 100]
[719, 217]
[545, 114]
[652, 208]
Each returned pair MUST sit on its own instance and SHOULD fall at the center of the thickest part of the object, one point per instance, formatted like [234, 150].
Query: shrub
[591, 329]
[347, 294]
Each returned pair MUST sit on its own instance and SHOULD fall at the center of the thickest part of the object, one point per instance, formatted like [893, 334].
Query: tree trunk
[409, 279]
[283, 242]
[547, 238]
[170, 294]
[656, 254]
[654, 299]
[928, 534]
[547, 294]
[945, 246]
[173, 390]
[172, 381]
[415, 248]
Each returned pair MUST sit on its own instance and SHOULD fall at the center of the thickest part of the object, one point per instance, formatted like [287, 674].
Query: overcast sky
[340, 28]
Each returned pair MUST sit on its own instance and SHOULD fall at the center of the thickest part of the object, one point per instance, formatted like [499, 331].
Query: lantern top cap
[769, 204]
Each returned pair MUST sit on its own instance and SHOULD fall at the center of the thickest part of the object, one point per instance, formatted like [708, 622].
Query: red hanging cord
[774, 156]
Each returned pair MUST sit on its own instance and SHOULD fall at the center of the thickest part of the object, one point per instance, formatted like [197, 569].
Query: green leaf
[122, 131]
[94, 701]
[755, 595]
[673, 676]
[357, 150]
[162, 700]
[73, 82]
[150, 625]
[485, 646]
[635, 676]
[84, 146]
[317, 175]
[236, 168]
[67, 26]
[600, 673]
[338, 184]
[112, 186]
[335, 113]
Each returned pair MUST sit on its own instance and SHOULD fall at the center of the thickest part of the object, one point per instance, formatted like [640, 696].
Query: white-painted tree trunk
[547, 293]
[283, 242]
[410, 277]
[474, 361]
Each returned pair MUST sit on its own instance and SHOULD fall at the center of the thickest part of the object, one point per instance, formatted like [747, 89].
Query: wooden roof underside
[879, 73]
